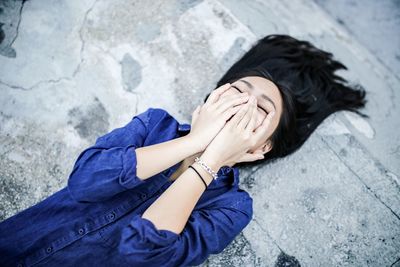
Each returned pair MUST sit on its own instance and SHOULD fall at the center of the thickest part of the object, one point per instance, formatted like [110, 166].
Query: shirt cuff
[127, 177]
[147, 233]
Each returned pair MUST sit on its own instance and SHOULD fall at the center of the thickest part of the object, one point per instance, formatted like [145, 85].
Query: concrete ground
[73, 70]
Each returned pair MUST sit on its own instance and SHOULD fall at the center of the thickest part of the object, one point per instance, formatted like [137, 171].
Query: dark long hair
[309, 87]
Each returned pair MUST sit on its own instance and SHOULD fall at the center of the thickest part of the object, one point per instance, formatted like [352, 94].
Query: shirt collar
[225, 174]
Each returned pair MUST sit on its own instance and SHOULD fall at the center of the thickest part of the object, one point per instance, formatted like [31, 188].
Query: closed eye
[257, 105]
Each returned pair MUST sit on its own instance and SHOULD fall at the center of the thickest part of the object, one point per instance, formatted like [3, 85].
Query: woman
[159, 193]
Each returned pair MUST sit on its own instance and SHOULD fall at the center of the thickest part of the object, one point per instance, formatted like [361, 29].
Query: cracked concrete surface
[71, 71]
[11, 12]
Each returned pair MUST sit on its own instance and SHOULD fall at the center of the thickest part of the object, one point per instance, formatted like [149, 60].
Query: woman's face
[268, 99]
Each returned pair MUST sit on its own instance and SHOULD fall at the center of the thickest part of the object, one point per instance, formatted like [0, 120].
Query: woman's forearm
[157, 158]
[172, 209]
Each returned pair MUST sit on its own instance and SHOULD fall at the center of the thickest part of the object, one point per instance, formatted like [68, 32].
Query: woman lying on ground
[159, 193]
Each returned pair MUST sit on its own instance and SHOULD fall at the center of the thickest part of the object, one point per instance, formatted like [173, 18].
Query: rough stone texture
[373, 23]
[71, 71]
[10, 12]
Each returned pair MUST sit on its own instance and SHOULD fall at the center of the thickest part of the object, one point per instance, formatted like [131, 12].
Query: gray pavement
[73, 70]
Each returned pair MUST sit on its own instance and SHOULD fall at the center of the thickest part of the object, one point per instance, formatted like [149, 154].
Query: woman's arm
[172, 209]
[207, 231]
[120, 160]
[156, 158]
[171, 233]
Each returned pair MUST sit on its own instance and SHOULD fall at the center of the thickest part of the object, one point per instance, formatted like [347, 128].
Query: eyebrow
[250, 86]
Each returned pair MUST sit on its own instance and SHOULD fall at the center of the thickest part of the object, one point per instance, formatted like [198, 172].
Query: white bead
[208, 169]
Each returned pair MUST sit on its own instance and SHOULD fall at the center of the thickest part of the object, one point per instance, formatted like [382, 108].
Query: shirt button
[81, 231]
[111, 216]
[49, 249]
[19, 265]
[143, 196]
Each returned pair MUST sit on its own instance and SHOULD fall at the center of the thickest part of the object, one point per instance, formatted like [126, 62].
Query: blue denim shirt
[96, 219]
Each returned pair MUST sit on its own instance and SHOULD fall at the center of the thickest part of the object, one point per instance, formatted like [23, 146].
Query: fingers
[232, 101]
[196, 111]
[246, 118]
[264, 127]
[253, 117]
[214, 96]
[249, 157]
[239, 115]
[231, 112]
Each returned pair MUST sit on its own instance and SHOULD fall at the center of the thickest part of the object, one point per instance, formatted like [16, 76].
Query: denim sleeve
[208, 231]
[109, 166]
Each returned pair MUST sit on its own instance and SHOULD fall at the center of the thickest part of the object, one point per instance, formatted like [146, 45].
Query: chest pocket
[145, 194]
[110, 234]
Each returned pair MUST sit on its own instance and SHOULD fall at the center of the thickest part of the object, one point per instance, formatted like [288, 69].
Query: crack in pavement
[266, 232]
[392, 265]
[35, 85]
[83, 43]
[358, 177]
[247, 180]
[78, 67]
[19, 22]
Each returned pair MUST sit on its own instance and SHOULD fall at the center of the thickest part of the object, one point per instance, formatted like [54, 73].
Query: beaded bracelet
[208, 169]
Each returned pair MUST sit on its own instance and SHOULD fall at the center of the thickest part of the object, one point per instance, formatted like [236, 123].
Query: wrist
[197, 147]
[204, 171]
[211, 161]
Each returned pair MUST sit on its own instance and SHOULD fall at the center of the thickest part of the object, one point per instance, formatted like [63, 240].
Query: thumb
[249, 157]
[195, 114]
